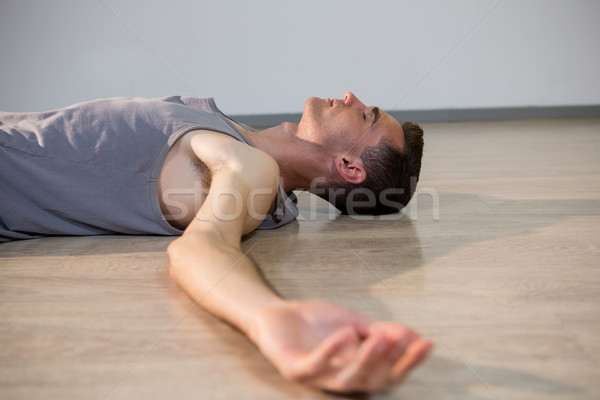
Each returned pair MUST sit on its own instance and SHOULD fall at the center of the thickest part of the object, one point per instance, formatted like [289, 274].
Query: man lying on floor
[179, 166]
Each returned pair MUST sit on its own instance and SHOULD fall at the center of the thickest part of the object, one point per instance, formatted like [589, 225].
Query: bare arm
[207, 261]
[314, 343]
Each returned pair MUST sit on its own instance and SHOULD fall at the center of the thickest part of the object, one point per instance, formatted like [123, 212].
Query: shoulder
[222, 152]
[237, 169]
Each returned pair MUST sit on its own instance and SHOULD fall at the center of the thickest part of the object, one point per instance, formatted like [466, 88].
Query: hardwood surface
[497, 260]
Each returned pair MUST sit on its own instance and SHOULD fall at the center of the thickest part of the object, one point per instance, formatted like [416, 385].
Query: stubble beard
[316, 125]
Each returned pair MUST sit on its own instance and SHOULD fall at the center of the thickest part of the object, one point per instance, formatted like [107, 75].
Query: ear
[351, 168]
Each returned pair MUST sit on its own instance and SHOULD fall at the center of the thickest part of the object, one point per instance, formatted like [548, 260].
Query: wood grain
[497, 260]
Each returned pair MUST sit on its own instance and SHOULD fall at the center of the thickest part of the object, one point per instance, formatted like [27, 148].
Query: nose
[350, 100]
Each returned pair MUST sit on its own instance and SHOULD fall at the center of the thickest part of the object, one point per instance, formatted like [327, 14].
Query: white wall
[269, 56]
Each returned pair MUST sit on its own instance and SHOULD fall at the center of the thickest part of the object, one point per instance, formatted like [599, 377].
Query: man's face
[347, 125]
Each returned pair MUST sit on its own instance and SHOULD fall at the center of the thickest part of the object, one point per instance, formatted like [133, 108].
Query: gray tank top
[92, 168]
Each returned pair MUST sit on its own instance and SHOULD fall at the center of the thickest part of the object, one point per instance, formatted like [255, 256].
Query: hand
[328, 347]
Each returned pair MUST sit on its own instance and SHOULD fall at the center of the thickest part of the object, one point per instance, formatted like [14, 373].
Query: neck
[299, 161]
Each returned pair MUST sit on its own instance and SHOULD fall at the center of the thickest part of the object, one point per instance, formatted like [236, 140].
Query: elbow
[175, 259]
[184, 253]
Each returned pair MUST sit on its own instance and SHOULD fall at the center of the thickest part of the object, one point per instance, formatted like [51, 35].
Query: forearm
[221, 278]
[314, 343]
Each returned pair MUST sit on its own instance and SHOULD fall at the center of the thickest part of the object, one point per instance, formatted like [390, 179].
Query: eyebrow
[376, 112]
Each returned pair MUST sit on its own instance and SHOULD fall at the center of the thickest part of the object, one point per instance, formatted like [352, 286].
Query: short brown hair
[391, 180]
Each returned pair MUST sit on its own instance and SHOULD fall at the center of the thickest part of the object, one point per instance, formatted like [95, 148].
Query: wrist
[255, 320]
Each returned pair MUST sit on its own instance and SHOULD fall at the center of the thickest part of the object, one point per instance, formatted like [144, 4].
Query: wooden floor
[497, 261]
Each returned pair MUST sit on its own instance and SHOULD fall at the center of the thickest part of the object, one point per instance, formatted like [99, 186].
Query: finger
[414, 354]
[362, 324]
[383, 348]
[398, 337]
[369, 359]
[315, 362]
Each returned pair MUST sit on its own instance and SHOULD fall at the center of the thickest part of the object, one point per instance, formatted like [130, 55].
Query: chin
[311, 109]
[312, 102]
[311, 123]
